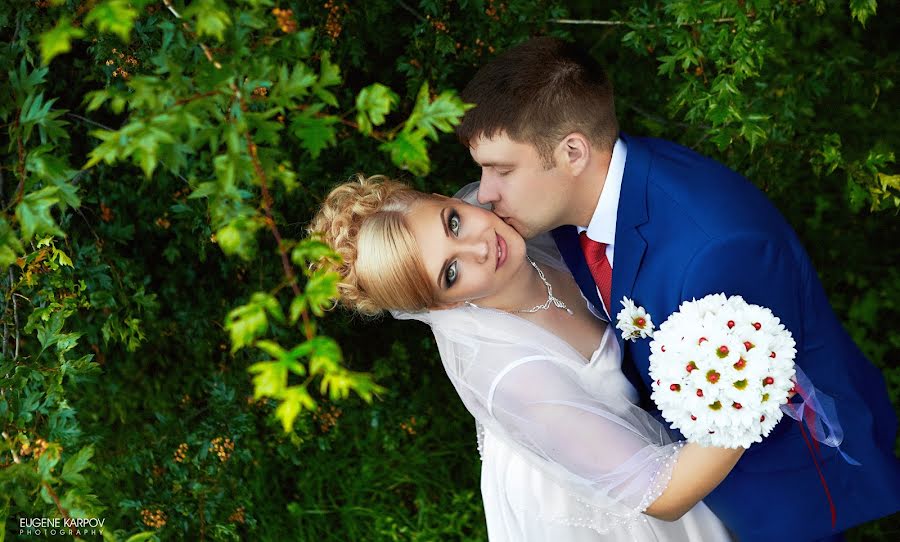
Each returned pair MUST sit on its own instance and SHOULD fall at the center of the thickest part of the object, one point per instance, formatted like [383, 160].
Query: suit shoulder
[716, 198]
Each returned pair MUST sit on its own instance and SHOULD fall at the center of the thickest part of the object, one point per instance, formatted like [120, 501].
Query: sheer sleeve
[615, 456]
[522, 384]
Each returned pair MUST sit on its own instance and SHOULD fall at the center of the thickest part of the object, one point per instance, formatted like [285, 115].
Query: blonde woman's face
[469, 253]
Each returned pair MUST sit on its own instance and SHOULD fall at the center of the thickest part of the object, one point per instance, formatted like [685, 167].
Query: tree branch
[15, 315]
[6, 323]
[405, 6]
[91, 122]
[63, 511]
[267, 206]
[12, 449]
[598, 22]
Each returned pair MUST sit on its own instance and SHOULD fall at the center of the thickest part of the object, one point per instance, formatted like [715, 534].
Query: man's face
[525, 194]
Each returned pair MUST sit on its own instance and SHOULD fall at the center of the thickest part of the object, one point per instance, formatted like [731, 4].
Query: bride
[567, 456]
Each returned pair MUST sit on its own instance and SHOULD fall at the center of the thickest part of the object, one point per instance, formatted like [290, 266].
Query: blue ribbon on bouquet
[818, 411]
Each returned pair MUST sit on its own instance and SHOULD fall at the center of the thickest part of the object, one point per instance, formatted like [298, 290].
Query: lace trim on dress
[600, 519]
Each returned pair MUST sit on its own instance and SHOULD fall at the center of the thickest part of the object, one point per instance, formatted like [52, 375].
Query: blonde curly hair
[364, 221]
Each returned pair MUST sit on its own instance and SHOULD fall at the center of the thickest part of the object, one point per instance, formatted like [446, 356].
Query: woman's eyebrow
[443, 269]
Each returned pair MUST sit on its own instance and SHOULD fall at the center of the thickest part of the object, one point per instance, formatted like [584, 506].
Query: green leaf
[140, 537]
[442, 114]
[48, 166]
[57, 40]
[312, 250]
[315, 133]
[76, 464]
[211, 17]
[272, 348]
[10, 246]
[270, 379]
[34, 215]
[238, 238]
[373, 104]
[245, 323]
[324, 354]
[116, 16]
[329, 75]
[298, 305]
[294, 84]
[270, 304]
[37, 112]
[294, 399]
[25, 82]
[408, 151]
[4, 514]
[321, 292]
[863, 9]
[49, 334]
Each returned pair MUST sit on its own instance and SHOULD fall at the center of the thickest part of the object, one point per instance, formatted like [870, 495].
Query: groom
[659, 224]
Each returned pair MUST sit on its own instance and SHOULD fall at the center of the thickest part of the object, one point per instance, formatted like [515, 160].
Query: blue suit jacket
[688, 226]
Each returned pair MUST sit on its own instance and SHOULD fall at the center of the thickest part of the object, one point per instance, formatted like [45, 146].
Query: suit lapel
[566, 238]
[630, 245]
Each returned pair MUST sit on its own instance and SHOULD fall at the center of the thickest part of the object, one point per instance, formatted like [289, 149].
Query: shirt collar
[602, 227]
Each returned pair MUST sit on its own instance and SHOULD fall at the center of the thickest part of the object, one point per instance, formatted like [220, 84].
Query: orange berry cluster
[481, 45]
[237, 516]
[186, 398]
[252, 401]
[328, 419]
[154, 519]
[222, 447]
[163, 222]
[409, 427]
[158, 471]
[106, 214]
[440, 26]
[122, 62]
[181, 453]
[285, 19]
[260, 92]
[493, 11]
[336, 12]
[40, 446]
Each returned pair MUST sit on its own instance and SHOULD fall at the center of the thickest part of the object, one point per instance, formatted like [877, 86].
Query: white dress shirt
[602, 227]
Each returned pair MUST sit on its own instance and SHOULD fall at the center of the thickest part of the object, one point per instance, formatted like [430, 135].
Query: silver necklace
[551, 299]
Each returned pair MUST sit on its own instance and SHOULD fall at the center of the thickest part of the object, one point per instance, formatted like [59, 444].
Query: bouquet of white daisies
[721, 370]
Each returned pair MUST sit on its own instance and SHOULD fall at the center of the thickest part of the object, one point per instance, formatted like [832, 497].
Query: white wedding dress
[521, 501]
[567, 455]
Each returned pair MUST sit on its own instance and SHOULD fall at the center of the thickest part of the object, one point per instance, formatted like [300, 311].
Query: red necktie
[595, 255]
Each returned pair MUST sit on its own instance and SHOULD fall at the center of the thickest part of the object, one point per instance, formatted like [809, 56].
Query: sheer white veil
[524, 386]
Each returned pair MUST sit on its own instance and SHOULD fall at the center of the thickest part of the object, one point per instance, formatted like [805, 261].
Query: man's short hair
[538, 92]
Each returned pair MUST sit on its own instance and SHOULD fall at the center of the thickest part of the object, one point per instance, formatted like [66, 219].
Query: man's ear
[574, 152]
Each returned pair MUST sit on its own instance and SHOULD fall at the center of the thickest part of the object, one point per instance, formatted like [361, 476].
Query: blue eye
[451, 274]
[453, 222]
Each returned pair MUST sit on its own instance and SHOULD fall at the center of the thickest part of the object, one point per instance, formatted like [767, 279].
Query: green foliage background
[161, 328]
